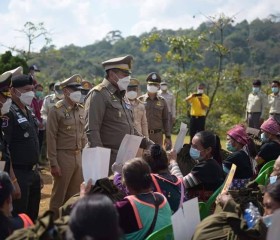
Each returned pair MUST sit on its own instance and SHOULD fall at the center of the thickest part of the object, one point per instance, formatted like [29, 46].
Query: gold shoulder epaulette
[98, 87]
[59, 104]
[80, 105]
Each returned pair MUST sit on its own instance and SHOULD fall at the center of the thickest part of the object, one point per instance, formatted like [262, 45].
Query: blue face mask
[255, 89]
[195, 154]
[230, 147]
[275, 89]
[264, 138]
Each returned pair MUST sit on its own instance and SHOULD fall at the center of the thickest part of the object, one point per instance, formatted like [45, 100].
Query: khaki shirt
[108, 115]
[140, 119]
[49, 101]
[171, 102]
[157, 113]
[274, 103]
[257, 103]
[65, 129]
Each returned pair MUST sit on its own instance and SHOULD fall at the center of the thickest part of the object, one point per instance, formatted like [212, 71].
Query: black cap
[21, 81]
[153, 78]
[35, 68]
[257, 82]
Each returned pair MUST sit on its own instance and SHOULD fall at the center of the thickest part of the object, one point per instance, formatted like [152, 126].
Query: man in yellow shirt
[199, 104]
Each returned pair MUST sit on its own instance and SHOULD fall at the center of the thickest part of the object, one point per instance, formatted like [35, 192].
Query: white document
[185, 220]
[179, 225]
[128, 149]
[95, 163]
[181, 137]
[2, 165]
[192, 217]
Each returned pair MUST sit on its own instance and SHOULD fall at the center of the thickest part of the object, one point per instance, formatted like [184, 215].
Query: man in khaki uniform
[171, 102]
[156, 112]
[108, 112]
[65, 141]
[138, 108]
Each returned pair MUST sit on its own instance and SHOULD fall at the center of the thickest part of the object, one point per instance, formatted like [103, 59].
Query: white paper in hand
[181, 137]
[185, 220]
[95, 163]
[192, 217]
[128, 149]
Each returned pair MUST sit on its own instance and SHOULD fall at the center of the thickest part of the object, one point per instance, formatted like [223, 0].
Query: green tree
[9, 62]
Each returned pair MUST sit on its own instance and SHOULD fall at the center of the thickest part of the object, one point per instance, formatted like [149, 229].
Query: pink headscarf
[238, 133]
[271, 126]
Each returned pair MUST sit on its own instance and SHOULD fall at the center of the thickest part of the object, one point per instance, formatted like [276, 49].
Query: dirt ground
[46, 191]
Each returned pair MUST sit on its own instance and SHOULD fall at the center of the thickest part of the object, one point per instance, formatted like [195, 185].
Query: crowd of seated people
[149, 204]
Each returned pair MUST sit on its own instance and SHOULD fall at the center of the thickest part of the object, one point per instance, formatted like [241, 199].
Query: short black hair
[95, 217]
[276, 82]
[156, 158]
[257, 82]
[137, 174]
[6, 187]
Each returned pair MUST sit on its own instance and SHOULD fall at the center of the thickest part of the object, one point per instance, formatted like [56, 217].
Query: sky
[83, 22]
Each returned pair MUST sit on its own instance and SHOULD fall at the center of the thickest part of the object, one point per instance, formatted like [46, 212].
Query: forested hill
[255, 46]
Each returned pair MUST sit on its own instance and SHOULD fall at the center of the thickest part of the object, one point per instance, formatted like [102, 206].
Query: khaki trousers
[157, 138]
[64, 187]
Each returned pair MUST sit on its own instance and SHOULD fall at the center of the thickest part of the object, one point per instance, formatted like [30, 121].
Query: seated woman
[270, 149]
[242, 155]
[8, 223]
[163, 181]
[94, 217]
[143, 211]
[207, 175]
[230, 223]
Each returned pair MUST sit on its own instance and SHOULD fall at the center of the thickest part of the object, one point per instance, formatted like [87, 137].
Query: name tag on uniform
[21, 120]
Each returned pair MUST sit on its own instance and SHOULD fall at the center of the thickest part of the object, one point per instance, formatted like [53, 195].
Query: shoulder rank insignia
[99, 87]
[59, 104]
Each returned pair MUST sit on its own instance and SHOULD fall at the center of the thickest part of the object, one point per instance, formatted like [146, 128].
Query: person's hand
[172, 155]
[167, 143]
[223, 198]
[117, 167]
[55, 171]
[85, 188]
[17, 191]
[190, 96]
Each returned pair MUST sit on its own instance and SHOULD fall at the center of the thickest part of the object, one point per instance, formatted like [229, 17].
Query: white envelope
[95, 163]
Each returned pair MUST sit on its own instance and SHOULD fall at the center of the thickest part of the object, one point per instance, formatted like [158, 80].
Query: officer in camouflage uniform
[157, 112]
[65, 141]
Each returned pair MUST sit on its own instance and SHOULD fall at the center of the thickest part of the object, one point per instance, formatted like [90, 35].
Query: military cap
[153, 78]
[21, 81]
[13, 72]
[5, 82]
[87, 85]
[34, 67]
[133, 82]
[123, 63]
[73, 82]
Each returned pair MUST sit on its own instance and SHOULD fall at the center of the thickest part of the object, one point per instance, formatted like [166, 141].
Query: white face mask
[152, 89]
[26, 98]
[6, 106]
[163, 87]
[123, 83]
[75, 96]
[200, 91]
[131, 95]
